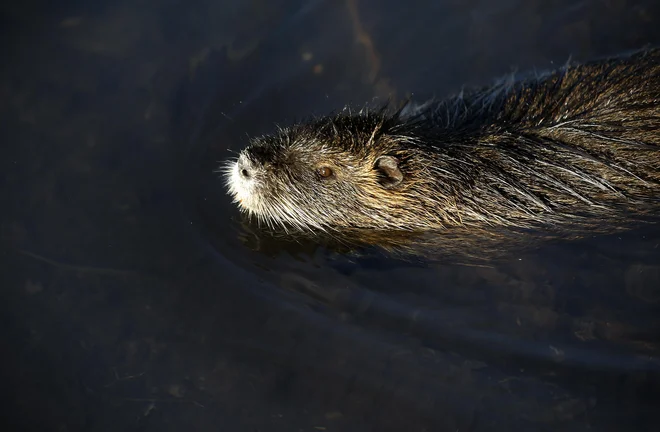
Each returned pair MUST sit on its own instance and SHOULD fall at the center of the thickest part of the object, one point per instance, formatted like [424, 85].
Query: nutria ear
[388, 167]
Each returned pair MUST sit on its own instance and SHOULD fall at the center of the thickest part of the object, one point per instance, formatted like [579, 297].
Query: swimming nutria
[574, 147]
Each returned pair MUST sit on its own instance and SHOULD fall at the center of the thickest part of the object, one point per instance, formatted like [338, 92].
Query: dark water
[133, 299]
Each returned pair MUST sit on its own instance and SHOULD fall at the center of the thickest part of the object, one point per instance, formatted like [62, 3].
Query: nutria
[570, 148]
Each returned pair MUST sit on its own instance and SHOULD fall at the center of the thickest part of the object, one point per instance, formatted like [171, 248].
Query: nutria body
[575, 147]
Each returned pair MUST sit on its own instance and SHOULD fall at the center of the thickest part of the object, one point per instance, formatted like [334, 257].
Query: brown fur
[573, 149]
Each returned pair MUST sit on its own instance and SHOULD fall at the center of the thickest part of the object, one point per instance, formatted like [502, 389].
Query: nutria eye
[325, 172]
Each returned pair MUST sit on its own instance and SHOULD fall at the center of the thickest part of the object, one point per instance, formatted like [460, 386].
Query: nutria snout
[576, 146]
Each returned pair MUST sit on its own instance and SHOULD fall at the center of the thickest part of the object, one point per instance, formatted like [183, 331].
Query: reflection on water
[135, 300]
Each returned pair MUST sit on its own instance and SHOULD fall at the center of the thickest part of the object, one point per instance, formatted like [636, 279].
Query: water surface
[135, 299]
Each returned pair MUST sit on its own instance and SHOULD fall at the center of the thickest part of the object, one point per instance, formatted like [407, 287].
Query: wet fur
[578, 147]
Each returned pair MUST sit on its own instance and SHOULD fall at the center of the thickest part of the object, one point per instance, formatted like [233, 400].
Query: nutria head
[359, 171]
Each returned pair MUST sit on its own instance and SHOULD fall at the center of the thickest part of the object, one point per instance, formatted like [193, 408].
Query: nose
[244, 169]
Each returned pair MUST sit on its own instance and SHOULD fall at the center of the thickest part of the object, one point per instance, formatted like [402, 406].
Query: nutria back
[569, 149]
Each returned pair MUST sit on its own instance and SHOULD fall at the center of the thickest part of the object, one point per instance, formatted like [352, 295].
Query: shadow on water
[134, 298]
